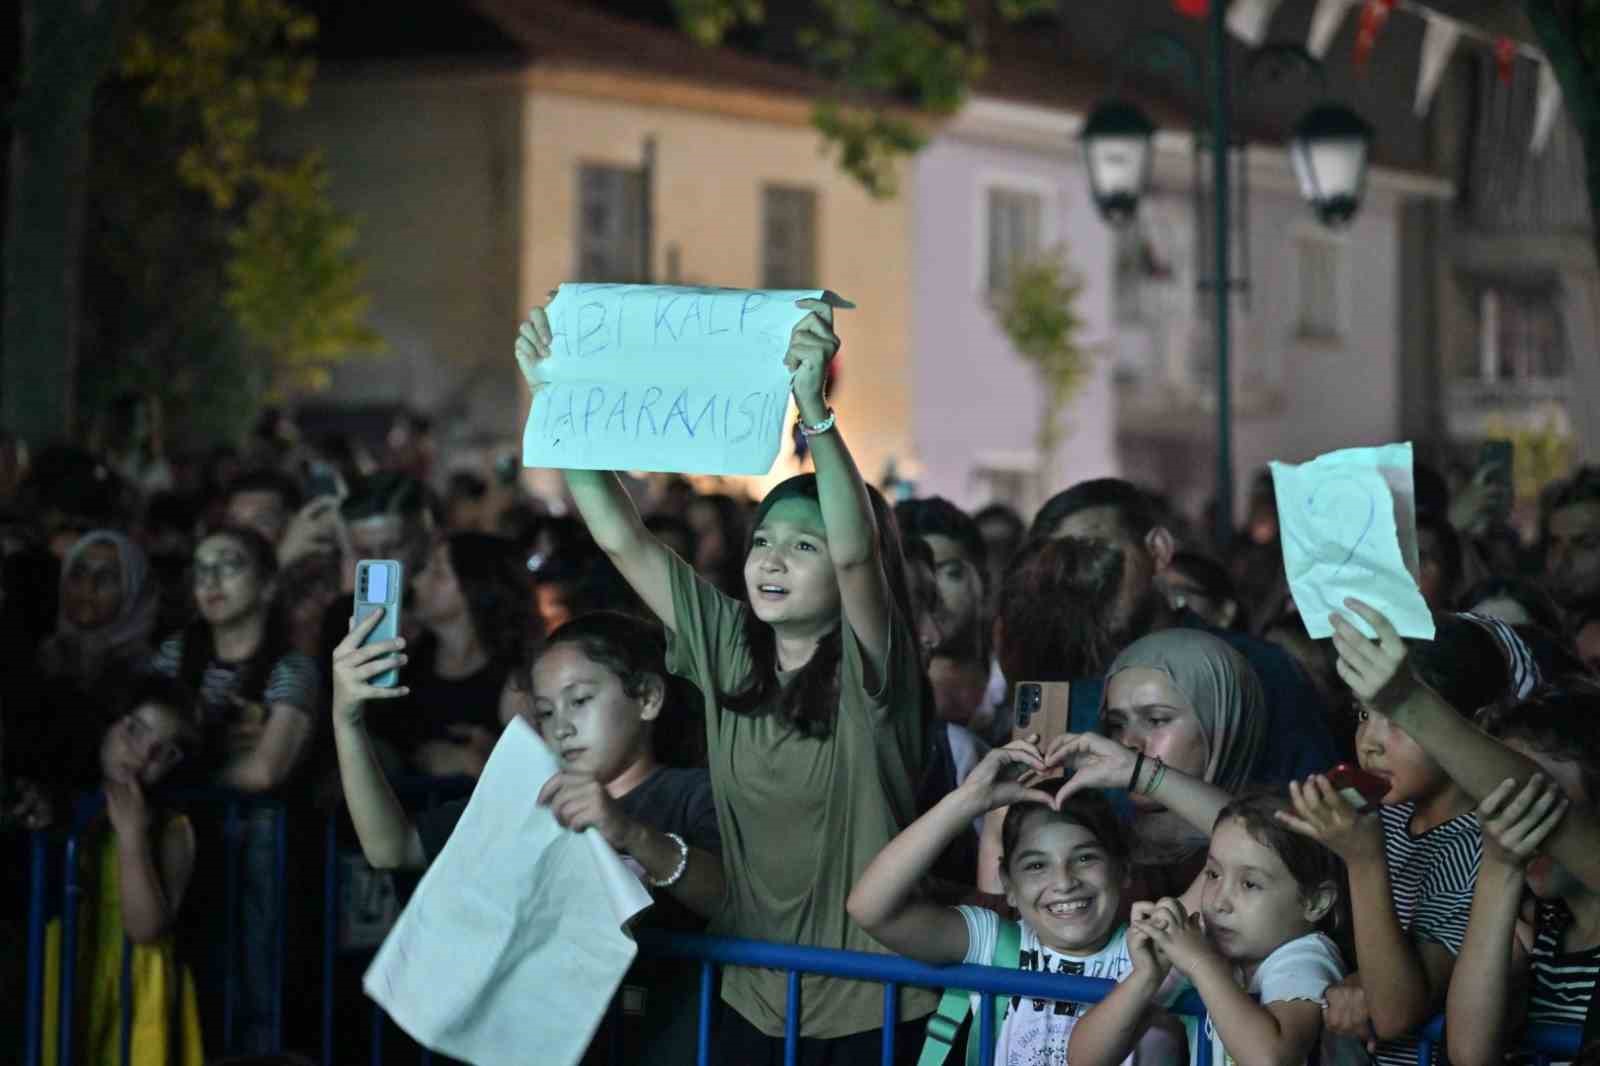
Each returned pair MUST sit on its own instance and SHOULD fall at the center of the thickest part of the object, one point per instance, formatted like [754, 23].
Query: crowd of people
[795, 719]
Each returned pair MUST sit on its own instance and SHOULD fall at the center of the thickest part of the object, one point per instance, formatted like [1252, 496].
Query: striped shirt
[1563, 982]
[1431, 877]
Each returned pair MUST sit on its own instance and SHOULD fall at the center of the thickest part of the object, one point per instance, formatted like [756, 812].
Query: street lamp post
[1329, 151]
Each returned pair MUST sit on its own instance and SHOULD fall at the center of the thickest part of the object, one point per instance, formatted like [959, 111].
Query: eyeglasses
[165, 754]
[224, 569]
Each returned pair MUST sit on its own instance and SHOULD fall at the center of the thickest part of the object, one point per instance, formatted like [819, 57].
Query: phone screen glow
[377, 584]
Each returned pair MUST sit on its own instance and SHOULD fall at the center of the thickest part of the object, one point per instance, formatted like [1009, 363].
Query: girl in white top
[1255, 950]
[1065, 869]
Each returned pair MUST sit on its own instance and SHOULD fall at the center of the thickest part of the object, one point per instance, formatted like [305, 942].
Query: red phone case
[1359, 788]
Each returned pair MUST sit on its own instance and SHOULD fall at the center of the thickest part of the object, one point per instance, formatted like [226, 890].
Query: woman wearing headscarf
[108, 608]
[1178, 700]
[1183, 699]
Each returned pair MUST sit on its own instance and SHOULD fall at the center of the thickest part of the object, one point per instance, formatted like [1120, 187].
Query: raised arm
[846, 508]
[1404, 981]
[884, 901]
[1378, 672]
[1487, 996]
[605, 505]
[1100, 762]
[388, 838]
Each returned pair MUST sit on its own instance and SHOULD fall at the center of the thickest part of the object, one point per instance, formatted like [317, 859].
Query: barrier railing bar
[876, 969]
[1543, 1041]
[708, 991]
[280, 901]
[891, 1018]
[232, 856]
[330, 931]
[33, 1024]
[125, 1004]
[791, 1021]
[69, 952]
[986, 1033]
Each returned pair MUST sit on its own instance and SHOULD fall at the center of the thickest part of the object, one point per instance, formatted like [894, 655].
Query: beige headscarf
[1225, 697]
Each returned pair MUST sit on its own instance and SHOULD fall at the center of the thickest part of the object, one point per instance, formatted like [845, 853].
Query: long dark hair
[636, 651]
[1055, 608]
[198, 646]
[811, 700]
[498, 591]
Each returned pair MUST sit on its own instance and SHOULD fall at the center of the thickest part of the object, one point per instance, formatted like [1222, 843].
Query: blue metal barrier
[86, 811]
[891, 972]
[415, 793]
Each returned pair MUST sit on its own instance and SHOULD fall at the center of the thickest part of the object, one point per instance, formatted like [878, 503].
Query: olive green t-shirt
[801, 817]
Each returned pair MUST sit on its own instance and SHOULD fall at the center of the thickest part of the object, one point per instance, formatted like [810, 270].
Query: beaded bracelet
[683, 864]
[810, 430]
[1156, 778]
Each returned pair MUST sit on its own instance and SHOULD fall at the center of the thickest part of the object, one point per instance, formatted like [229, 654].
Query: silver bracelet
[683, 864]
[809, 430]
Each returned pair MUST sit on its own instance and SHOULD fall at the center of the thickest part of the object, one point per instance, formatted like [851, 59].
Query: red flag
[1505, 53]
[1195, 9]
[1374, 13]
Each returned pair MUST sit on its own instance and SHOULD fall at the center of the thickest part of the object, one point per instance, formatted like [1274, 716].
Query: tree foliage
[884, 60]
[219, 275]
[1039, 312]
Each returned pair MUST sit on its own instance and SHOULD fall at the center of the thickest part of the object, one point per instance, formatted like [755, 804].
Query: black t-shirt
[659, 996]
[436, 703]
[671, 800]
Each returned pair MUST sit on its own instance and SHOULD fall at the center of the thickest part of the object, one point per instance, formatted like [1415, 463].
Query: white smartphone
[379, 584]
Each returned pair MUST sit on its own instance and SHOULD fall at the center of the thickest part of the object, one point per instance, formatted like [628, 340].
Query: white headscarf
[86, 651]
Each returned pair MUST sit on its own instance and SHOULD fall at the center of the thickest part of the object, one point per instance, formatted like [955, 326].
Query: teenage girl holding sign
[814, 721]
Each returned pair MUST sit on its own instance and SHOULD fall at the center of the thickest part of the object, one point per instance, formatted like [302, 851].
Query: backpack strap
[954, 1006]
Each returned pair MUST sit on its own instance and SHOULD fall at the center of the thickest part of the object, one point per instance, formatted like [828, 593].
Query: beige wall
[707, 202]
[430, 167]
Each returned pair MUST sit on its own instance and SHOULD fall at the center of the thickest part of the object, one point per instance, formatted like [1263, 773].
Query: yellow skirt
[165, 1024]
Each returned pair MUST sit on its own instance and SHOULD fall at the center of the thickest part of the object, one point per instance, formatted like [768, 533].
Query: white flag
[1437, 44]
[1324, 25]
[1248, 19]
[1549, 105]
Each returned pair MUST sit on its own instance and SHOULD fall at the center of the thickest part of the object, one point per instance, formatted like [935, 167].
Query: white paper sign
[515, 940]
[1348, 522]
[667, 378]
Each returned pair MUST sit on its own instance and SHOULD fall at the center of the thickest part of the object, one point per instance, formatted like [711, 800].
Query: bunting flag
[1505, 53]
[1545, 111]
[1248, 19]
[1438, 42]
[1195, 9]
[1374, 13]
[1324, 26]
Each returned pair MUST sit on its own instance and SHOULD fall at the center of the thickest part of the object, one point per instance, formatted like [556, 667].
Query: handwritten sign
[661, 377]
[497, 922]
[1348, 521]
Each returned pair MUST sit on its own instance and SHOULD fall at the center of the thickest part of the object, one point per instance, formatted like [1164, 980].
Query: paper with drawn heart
[666, 378]
[516, 939]
[1348, 523]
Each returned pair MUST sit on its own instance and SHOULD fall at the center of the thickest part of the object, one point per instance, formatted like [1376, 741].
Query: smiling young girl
[815, 716]
[1256, 950]
[1064, 869]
